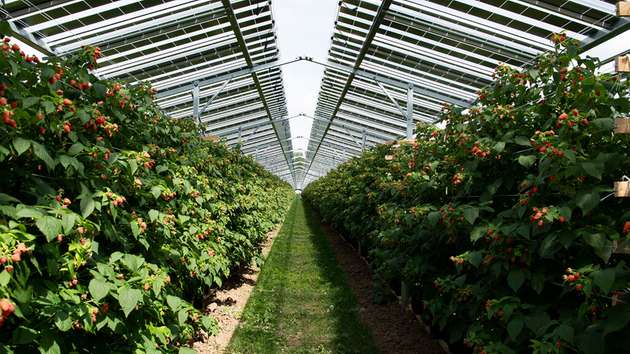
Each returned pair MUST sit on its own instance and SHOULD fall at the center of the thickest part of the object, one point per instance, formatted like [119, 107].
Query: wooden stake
[622, 64]
[623, 8]
[622, 125]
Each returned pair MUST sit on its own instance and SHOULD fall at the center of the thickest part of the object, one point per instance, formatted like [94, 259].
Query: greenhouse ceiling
[390, 64]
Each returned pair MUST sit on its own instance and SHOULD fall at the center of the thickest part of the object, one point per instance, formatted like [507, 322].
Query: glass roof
[218, 56]
[391, 63]
[436, 52]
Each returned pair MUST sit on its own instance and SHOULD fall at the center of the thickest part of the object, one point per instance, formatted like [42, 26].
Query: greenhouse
[315, 176]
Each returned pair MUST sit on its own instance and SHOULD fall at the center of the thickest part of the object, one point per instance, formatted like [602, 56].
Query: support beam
[205, 107]
[31, 40]
[391, 98]
[229, 12]
[378, 18]
[410, 112]
[195, 97]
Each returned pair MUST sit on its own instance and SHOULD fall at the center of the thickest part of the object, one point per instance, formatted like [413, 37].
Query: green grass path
[301, 303]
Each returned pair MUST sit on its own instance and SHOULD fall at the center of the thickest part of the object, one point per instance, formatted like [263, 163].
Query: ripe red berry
[7, 39]
[563, 116]
[67, 102]
[579, 287]
[3, 101]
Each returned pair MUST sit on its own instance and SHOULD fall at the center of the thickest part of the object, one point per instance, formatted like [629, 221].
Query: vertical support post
[363, 139]
[240, 135]
[410, 112]
[195, 96]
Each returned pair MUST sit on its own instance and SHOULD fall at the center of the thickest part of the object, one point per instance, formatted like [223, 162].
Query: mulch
[394, 328]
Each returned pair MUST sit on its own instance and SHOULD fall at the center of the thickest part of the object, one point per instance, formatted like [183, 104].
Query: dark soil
[394, 328]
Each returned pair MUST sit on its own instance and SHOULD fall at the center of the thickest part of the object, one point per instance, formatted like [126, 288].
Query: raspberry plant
[115, 221]
[502, 223]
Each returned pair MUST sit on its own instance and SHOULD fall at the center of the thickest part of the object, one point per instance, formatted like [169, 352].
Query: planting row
[115, 221]
[502, 225]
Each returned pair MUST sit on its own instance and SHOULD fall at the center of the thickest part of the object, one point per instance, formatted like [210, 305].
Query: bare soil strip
[227, 303]
[394, 328]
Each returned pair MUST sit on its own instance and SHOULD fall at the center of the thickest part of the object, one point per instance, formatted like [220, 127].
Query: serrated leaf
[49, 226]
[515, 279]
[602, 246]
[98, 289]
[48, 345]
[29, 102]
[173, 302]
[565, 332]
[153, 215]
[68, 221]
[21, 145]
[76, 149]
[521, 140]
[500, 146]
[587, 200]
[42, 153]
[135, 228]
[87, 206]
[5, 278]
[471, 214]
[604, 279]
[63, 321]
[182, 316]
[593, 168]
[527, 160]
[514, 327]
[128, 299]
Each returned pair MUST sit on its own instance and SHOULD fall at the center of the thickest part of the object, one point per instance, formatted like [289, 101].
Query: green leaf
[593, 168]
[565, 332]
[538, 282]
[5, 278]
[477, 233]
[173, 302]
[68, 221]
[76, 149]
[63, 321]
[618, 319]
[601, 245]
[538, 322]
[500, 146]
[474, 258]
[21, 145]
[133, 166]
[515, 279]
[527, 160]
[41, 152]
[153, 215]
[98, 289]
[49, 107]
[132, 262]
[471, 214]
[514, 327]
[606, 124]
[87, 206]
[48, 345]
[49, 226]
[29, 102]
[182, 316]
[185, 350]
[128, 299]
[587, 200]
[27, 212]
[521, 140]
[24, 335]
[135, 228]
[604, 279]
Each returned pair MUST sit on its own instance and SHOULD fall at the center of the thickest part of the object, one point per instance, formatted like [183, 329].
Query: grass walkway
[301, 303]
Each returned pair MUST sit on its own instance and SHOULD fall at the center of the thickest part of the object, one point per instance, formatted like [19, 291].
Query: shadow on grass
[302, 303]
